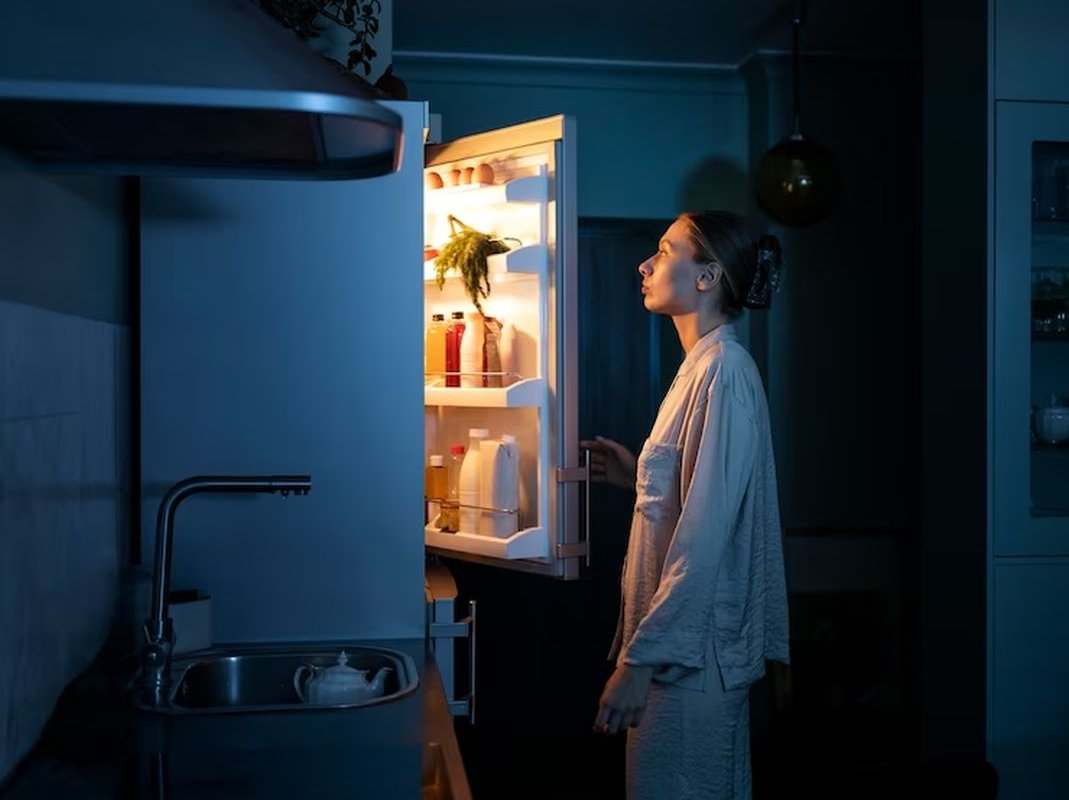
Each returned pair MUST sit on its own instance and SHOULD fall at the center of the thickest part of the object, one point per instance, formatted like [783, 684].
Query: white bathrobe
[704, 598]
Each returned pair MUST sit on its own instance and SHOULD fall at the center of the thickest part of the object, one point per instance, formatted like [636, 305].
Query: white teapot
[1051, 423]
[337, 685]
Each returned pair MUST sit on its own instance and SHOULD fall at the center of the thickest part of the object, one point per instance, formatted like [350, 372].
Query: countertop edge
[439, 730]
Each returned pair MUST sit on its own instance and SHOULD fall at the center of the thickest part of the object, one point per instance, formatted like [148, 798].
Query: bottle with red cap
[454, 337]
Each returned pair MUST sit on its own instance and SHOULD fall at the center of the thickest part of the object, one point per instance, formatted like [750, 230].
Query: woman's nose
[644, 268]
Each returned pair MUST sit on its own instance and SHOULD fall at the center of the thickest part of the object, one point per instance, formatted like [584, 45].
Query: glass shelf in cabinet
[1050, 336]
[1052, 448]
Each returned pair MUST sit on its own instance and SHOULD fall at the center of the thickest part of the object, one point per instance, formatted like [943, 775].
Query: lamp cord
[799, 18]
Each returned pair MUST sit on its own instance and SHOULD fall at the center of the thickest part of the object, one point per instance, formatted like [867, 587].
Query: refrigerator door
[517, 186]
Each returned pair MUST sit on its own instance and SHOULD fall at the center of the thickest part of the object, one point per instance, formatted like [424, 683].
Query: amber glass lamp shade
[796, 182]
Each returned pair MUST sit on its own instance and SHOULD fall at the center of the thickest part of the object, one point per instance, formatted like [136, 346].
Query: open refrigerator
[530, 203]
[527, 198]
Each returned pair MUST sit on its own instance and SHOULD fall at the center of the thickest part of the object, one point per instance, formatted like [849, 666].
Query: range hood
[184, 87]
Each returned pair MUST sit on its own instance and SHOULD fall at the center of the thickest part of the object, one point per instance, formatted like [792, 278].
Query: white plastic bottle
[500, 486]
[506, 349]
[470, 480]
[471, 351]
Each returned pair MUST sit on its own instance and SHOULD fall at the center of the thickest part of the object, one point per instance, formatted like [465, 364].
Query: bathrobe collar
[725, 331]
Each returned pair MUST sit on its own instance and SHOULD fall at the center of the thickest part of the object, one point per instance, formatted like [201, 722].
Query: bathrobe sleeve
[676, 628]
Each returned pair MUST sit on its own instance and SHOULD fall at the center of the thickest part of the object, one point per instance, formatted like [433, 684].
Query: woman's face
[670, 276]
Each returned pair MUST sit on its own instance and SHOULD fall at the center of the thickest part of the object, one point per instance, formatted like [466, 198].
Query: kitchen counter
[96, 746]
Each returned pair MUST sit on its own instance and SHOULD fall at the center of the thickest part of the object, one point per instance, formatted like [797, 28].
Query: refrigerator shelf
[448, 199]
[529, 393]
[528, 543]
[530, 259]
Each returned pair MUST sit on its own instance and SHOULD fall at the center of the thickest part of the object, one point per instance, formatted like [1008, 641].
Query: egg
[465, 176]
[484, 173]
[454, 177]
[432, 180]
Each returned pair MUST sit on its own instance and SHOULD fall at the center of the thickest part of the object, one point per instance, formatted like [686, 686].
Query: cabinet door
[1031, 50]
[1029, 713]
[1030, 306]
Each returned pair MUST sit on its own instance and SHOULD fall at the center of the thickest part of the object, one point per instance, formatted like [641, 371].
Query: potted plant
[360, 18]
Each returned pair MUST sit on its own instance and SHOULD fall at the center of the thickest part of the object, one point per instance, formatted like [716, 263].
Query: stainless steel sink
[251, 678]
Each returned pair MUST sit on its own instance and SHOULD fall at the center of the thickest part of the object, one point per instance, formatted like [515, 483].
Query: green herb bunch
[466, 252]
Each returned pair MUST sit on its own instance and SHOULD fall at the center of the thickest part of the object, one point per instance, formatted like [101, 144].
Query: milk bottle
[499, 487]
[470, 481]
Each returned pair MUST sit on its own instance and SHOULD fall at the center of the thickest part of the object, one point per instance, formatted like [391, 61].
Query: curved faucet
[155, 674]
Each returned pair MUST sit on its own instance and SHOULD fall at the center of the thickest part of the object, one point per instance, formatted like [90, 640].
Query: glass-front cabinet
[1049, 351]
[1030, 455]
[1028, 588]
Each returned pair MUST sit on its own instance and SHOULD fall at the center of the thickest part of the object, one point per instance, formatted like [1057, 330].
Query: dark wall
[63, 244]
[840, 345]
[952, 470]
[840, 351]
[65, 438]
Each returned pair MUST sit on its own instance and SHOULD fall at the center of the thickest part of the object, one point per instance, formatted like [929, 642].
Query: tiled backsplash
[64, 450]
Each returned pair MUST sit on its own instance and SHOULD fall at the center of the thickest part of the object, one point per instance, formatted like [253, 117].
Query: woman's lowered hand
[610, 462]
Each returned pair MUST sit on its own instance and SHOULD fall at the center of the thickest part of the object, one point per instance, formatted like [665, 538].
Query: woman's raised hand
[610, 462]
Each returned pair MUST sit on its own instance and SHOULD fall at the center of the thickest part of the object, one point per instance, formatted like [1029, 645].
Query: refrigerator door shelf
[449, 199]
[528, 393]
[528, 543]
[531, 259]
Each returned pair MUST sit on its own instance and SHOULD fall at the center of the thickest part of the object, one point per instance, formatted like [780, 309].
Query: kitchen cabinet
[1029, 707]
[1028, 640]
[1030, 305]
[1032, 58]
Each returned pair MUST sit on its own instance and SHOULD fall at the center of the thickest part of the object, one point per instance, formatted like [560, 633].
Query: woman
[704, 601]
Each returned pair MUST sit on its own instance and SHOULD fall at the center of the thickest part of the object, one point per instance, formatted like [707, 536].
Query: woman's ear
[709, 276]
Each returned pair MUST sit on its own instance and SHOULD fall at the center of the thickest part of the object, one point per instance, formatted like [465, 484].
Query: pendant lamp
[796, 181]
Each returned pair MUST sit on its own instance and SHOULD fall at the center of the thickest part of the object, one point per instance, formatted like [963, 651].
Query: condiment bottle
[453, 336]
[449, 519]
[435, 487]
[434, 350]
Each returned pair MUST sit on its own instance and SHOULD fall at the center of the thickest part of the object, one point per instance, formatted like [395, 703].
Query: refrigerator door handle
[471, 663]
[576, 475]
[457, 630]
